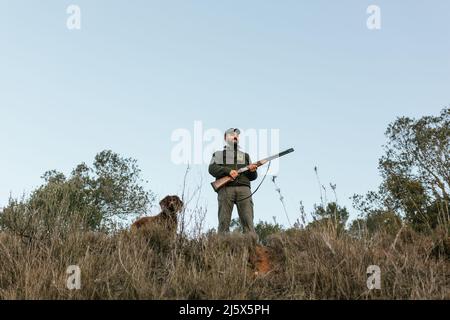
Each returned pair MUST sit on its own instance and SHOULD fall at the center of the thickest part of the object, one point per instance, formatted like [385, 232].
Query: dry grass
[307, 264]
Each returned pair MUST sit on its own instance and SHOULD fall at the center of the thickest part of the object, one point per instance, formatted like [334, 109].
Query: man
[227, 163]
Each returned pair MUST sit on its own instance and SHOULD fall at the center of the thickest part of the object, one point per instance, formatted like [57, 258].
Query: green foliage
[415, 171]
[263, 229]
[89, 199]
[332, 215]
[376, 221]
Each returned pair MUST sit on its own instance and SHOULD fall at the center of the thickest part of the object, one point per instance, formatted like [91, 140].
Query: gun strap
[265, 175]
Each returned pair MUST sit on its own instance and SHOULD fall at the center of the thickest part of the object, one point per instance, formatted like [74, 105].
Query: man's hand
[233, 174]
[252, 167]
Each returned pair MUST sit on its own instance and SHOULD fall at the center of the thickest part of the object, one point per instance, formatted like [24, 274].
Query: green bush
[96, 198]
[415, 171]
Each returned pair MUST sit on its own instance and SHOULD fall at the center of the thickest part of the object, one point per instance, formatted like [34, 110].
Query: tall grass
[38, 242]
[315, 263]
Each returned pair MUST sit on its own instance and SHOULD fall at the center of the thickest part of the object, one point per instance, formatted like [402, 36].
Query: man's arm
[250, 175]
[215, 169]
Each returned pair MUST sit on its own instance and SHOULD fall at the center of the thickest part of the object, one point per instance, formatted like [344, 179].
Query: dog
[167, 218]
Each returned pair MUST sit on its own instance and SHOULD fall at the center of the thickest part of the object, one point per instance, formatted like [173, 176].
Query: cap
[232, 130]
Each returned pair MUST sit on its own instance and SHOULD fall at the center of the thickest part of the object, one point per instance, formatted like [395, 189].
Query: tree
[416, 172]
[89, 199]
[330, 215]
[263, 229]
[385, 221]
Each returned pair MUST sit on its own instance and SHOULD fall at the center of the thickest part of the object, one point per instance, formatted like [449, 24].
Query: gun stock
[219, 183]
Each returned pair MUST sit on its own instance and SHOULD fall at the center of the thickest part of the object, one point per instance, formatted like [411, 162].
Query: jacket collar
[231, 147]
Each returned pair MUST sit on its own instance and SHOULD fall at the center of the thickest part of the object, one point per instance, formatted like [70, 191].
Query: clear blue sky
[137, 70]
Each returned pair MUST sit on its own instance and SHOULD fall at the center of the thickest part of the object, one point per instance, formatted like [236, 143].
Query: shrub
[95, 198]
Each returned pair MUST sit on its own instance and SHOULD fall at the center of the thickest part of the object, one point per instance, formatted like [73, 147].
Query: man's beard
[233, 143]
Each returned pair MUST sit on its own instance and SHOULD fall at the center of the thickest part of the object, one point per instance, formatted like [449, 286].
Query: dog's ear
[179, 203]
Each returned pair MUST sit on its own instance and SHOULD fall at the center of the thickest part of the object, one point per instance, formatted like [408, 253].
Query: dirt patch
[261, 261]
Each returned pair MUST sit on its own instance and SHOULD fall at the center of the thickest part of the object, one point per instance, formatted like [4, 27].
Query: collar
[228, 146]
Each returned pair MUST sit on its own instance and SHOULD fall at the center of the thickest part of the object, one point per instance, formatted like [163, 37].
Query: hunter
[227, 163]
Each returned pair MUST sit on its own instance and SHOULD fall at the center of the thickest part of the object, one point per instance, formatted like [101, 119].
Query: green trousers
[227, 198]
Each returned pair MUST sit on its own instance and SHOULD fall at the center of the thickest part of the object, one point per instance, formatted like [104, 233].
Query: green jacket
[228, 159]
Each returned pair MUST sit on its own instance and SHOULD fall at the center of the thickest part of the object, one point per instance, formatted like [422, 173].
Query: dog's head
[171, 204]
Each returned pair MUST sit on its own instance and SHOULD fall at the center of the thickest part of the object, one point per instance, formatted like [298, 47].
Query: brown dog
[167, 218]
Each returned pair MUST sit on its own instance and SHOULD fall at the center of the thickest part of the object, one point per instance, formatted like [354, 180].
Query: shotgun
[219, 183]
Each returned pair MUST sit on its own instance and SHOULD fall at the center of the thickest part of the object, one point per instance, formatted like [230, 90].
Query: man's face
[232, 138]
